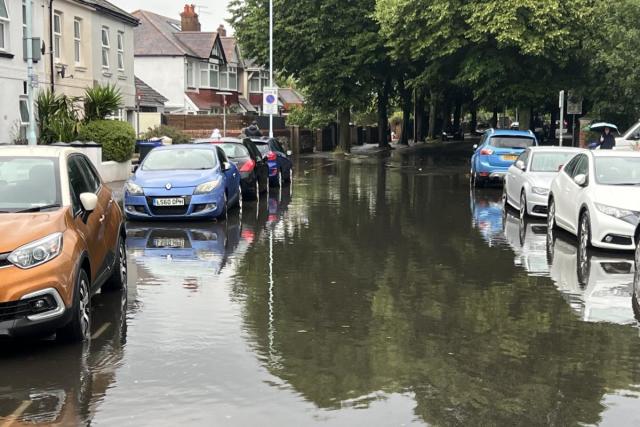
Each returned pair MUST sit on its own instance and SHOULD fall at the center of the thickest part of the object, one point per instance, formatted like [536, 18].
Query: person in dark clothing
[253, 131]
[607, 141]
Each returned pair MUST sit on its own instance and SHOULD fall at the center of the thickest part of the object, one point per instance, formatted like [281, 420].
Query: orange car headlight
[38, 252]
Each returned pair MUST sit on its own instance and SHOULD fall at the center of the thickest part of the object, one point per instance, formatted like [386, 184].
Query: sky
[212, 12]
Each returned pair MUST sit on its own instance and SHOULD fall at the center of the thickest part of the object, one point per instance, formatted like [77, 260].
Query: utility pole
[271, 62]
[561, 105]
[31, 76]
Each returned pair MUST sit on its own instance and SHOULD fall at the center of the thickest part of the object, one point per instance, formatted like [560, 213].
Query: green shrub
[101, 101]
[118, 139]
[176, 135]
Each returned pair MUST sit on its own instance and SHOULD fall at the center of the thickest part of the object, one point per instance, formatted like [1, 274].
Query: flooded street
[374, 291]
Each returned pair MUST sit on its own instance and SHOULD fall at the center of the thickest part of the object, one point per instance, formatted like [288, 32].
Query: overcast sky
[212, 13]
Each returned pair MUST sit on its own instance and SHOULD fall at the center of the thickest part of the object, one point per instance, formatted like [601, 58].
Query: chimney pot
[222, 31]
[189, 19]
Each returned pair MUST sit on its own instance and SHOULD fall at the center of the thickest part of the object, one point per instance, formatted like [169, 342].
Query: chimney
[189, 18]
[222, 31]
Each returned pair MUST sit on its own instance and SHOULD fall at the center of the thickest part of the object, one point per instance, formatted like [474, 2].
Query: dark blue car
[183, 182]
[280, 166]
[498, 149]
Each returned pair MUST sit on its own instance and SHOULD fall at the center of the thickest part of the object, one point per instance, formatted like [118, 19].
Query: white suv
[597, 198]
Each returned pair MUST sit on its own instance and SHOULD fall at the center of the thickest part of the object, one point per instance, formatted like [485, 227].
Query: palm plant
[57, 117]
[101, 101]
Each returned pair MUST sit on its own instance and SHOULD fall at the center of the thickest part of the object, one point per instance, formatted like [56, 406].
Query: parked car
[597, 198]
[630, 140]
[183, 181]
[280, 166]
[527, 182]
[253, 167]
[498, 149]
[62, 241]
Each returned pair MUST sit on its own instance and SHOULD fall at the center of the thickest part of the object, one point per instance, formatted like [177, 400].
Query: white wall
[166, 75]
[123, 79]
[13, 70]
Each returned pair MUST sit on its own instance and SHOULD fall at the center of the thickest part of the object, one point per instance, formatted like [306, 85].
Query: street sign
[574, 103]
[35, 82]
[270, 100]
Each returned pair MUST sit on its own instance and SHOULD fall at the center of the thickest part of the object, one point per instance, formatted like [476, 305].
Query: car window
[549, 162]
[568, 169]
[235, 151]
[255, 153]
[511, 142]
[222, 157]
[180, 159]
[275, 146]
[582, 167]
[617, 170]
[77, 182]
[523, 157]
[263, 148]
[91, 176]
[28, 182]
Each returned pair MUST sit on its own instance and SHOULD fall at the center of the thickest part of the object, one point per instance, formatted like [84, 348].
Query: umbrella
[598, 127]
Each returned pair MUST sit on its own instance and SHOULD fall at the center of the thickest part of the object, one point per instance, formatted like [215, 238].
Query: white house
[14, 114]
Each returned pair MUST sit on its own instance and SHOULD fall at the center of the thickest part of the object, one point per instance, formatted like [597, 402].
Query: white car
[630, 141]
[527, 182]
[597, 198]
[528, 240]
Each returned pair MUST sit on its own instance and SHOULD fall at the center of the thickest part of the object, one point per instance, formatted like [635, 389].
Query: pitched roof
[290, 96]
[229, 45]
[111, 9]
[147, 95]
[159, 35]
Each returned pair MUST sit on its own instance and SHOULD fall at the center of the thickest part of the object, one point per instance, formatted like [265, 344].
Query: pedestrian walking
[607, 141]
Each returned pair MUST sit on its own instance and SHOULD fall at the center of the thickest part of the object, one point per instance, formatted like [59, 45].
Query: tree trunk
[405, 94]
[383, 114]
[457, 115]
[432, 114]
[474, 119]
[344, 116]
[494, 119]
[525, 118]
[418, 116]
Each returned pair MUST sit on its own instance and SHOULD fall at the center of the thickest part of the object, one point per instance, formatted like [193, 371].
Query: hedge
[118, 139]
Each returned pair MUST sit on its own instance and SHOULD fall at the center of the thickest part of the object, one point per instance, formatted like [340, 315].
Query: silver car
[527, 182]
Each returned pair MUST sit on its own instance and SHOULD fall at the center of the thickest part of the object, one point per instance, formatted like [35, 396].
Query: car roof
[36, 151]
[510, 132]
[614, 153]
[554, 149]
[185, 146]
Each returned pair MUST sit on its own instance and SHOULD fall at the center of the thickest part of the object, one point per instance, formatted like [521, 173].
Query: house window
[190, 75]
[24, 27]
[265, 79]
[120, 51]
[77, 40]
[24, 112]
[4, 25]
[229, 78]
[105, 47]
[209, 76]
[255, 83]
[57, 35]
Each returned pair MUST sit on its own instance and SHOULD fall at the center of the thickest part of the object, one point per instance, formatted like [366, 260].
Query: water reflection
[487, 215]
[46, 383]
[528, 240]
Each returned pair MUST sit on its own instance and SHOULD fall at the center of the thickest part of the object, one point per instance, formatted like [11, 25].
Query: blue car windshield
[511, 142]
[183, 159]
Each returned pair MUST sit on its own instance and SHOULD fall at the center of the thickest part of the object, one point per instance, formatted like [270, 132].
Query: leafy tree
[308, 117]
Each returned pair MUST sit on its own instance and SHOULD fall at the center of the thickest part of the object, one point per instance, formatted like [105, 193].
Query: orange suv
[62, 238]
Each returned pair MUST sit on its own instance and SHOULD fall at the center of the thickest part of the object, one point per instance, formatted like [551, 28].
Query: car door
[262, 169]
[232, 177]
[90, 225]
[516, 177]
[564, 180]
[575, 192]
[283, 159]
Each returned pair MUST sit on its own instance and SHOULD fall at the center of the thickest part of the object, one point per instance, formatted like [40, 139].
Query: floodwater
[372, 292]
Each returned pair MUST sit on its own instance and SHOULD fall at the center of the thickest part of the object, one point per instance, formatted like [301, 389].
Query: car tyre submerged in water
[79, 328]
[584, 232]
[523, 205]
[118, 279]
[551, 215]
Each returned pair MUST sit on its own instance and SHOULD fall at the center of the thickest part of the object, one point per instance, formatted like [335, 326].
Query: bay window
[229, 78]
[209, 75]
[190, 75]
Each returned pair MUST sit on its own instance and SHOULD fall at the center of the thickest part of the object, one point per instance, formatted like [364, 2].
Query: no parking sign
[270, 100]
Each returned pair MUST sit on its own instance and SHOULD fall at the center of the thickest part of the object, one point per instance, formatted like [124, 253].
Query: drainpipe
[51, 66]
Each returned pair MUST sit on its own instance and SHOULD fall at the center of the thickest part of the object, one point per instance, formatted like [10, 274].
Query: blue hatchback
[498, 149]
[183, 182]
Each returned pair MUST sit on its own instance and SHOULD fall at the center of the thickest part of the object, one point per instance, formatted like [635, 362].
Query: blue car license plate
[173, 201]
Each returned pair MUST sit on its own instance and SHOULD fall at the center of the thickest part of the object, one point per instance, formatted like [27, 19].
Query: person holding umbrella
[606, 141]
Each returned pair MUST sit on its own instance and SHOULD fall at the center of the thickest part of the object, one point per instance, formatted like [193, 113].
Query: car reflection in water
[487, 215]
[63, 384]
[186, 251]
[598, 285]
[528, 240]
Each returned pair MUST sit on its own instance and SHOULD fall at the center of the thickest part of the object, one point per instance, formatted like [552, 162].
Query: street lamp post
[31, 76]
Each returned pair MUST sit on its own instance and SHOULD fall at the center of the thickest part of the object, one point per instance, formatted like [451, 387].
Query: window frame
[77, 40]
[120, 49]
[106, 48]
[190, 74]
[256, 76]
[5, 23]
[23, 100]
[57, 35]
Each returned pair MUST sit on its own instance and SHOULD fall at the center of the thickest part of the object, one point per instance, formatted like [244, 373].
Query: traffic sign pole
[561, 104]
[32, 78]
[271, 62]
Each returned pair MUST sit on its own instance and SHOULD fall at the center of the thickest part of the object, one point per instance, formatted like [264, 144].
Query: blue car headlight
[133, 189]
[207, 187]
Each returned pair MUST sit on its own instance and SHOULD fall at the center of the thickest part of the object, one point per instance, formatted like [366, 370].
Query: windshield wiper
[39, 208]
[630, 184]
